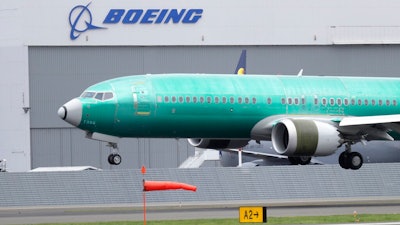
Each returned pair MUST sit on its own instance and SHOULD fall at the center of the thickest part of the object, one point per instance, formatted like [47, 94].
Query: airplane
[301, 115]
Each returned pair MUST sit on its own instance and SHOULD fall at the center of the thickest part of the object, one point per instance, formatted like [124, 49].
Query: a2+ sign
[252, 214]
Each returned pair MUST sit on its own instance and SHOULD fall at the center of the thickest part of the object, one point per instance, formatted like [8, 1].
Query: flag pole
[144, 196]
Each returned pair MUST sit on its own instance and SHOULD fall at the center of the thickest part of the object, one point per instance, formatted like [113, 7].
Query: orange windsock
[166, 185]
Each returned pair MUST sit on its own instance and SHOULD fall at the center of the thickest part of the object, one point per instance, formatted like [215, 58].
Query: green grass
[363, 218]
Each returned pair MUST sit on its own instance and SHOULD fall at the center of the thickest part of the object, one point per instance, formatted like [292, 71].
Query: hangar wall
[329, 37]
[58, 74]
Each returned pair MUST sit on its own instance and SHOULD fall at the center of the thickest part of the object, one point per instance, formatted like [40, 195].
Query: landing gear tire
[344, 160]
[114, 159]
[356, 160]
[350, 160]
[301, 160]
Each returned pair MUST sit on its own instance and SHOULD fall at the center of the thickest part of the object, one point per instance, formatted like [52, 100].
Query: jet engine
[302, 137]
[218, 143]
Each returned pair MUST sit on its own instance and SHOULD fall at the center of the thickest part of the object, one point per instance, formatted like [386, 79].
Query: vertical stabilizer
[241, 66]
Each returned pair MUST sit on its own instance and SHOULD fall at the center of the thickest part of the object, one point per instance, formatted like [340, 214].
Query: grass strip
[360, 218]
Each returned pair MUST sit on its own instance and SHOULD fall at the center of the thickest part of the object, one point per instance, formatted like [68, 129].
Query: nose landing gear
[114, 158]
[350, 160]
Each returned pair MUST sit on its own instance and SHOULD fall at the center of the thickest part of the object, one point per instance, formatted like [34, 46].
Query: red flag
[166, 185]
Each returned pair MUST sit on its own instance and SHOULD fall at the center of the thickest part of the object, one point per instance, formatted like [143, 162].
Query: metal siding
[47, 143]
[85, 152]
[69, 147]
[184, 150]
[271, 184]
[158, 146]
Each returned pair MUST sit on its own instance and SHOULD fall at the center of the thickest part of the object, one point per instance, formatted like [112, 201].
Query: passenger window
[339, 101]
[224, 100]
[208, 99]
[373, 102]
[180, 99]
[283, 101]
[366, 101]
[380, 103]
[346, 102]
[359, 102]
[296, 101]
[323, 101]
[187, 99]
[173, 99]
[195, 99]
[269, 101]
[166, 99]
[289, 100]
[387, 102]
[303, 100]
[99, 96]
[254, 100]
[246, 100]
[394, 102]
[232, 100]
[201, 99]
[315, 100]
[332, 101]
[353, 101]
[240, 100]
[216, 100]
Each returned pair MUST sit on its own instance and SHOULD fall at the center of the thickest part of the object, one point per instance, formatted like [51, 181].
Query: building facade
[50, 51]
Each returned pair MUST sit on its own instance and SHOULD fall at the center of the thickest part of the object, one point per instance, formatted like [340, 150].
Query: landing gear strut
[350, 160]
[114, 158]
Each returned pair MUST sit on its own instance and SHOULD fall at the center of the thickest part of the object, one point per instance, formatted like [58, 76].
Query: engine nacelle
[217, 143]
[302, 137]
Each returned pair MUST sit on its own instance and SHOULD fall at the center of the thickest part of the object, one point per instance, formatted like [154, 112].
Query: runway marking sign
[252, 214]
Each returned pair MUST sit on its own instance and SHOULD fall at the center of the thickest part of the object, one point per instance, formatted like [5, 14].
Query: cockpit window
[88, 94]
[102, 96]
[108, 95]
[99, 96]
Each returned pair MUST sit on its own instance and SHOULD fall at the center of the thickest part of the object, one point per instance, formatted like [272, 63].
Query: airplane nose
[71, 112]
[62, 112]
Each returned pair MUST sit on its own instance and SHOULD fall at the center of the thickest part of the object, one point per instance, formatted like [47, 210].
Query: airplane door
[141, 100]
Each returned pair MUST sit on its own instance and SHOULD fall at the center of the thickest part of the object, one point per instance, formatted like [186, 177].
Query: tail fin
[241, 66]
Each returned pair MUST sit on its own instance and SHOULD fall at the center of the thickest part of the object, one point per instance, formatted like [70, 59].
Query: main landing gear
[349, 159]
[114, 158]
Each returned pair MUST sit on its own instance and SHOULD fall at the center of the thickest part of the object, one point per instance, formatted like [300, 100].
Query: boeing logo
[80, 20]
[155, 16]
[80, 17]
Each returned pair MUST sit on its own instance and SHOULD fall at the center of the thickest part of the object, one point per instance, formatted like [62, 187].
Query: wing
[254, 153]
[384, 127]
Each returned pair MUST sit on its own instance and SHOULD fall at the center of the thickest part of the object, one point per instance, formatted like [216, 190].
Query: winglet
[241, 66]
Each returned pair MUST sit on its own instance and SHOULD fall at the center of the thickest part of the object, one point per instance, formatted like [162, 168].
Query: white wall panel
[223, 22]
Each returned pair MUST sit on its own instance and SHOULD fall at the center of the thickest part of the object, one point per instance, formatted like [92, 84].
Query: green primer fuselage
[164, 105]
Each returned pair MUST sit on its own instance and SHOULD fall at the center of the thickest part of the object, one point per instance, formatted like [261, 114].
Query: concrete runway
[35, 215]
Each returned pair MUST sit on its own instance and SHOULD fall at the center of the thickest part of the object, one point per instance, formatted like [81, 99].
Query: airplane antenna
[300, 73]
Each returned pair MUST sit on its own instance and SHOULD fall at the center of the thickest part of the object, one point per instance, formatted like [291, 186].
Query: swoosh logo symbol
[80, 20]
